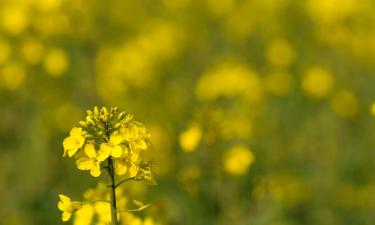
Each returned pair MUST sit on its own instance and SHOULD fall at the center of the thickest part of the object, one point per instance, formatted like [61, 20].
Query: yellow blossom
[84, 216]
[135, 134]
[238, 159]
[56, 62]
[344, 104]
[372, 109]
[127, 163]
[112, 148]
[74, 141]
[90, 162]
[317, 82]
[67, 207]
[190, 138]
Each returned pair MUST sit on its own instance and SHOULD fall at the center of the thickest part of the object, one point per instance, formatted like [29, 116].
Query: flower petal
[104, 152]
[95, 170]
[68, 143]
[85, 163]
[90, 150]
[115, 138]
[133, 170]
[116, 151]
[76, 131]
[120, 167]
[66, 216]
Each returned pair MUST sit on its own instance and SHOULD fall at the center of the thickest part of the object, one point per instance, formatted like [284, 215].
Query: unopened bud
[83, 123]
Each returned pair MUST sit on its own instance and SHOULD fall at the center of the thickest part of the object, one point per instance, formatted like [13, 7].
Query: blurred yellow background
[259, 110]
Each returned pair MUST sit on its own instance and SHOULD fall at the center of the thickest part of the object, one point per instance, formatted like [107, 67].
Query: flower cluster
[109, 134]
[95, 208]
[110, 140]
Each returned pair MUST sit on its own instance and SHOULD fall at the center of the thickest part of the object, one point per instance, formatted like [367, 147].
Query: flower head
[90, 161]
[74, 141]
[112, 148]
[67, 207]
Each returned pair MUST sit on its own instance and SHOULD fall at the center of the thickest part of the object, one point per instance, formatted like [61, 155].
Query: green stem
[112, 187]
[127, 179]
[92, 201]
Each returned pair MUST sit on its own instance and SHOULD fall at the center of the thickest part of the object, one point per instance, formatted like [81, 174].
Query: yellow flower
[85, 215]
[135, 135]
[67, 207]
[238, 160]
[130, 133]
[190, 138]
[91, 162]
[317, 82]
[112, 148]
[127, 163]
[74, 141]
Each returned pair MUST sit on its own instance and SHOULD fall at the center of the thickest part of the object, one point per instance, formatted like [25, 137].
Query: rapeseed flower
[67, 206]
[74, 142]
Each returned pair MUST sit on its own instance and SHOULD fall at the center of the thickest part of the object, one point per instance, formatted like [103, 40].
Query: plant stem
[127, 179]
[112, 187]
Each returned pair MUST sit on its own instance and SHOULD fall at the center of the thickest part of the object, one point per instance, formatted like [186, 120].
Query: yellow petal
[130, 132]
[133, 170]
[115, 138]
[134, 157]
[63, 206]
[68, 143]
[116, 151]
[64, 199]
[95, 170]
[66, 216]
[141, 144]
[72, 151]
[104, 152]
[76, 131]
[85, 163]
[90, 150]
[120, 167]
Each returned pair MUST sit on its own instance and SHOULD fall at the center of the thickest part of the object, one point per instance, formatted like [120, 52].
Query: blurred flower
[220, 7]
[317, 82]
[12, 76]
[190, 138]
[56, 62]
[279, 84]
[32, 51]
[68, 207]
[47, 5]
[5, 51]
[326, 12]
[188, 177]
[280, 53]
[344, 104]
[238, 159]
[84, 216]
[230, 81]
[372, 109]
[14, 18]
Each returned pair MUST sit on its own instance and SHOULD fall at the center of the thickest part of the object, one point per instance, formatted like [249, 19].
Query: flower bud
[117, 125]
[83, 123]
[121, 115]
